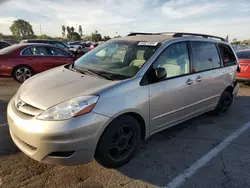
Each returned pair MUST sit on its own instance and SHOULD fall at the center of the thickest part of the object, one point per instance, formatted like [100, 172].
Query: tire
[121, 137]
[22, 73]
[224, 103]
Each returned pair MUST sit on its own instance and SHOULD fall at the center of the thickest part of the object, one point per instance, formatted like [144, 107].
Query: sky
[112, 17]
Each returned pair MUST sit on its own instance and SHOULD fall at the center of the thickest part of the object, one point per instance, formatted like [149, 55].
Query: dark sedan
[4, 44]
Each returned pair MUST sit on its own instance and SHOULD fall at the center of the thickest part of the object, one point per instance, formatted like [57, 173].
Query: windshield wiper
[95, 73]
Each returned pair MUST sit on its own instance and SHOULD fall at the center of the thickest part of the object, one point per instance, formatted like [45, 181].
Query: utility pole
[41, 29]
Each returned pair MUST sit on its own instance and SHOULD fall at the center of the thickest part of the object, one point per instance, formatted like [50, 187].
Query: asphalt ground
[182, 156]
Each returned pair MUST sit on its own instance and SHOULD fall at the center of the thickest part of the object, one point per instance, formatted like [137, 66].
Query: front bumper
[69, 142]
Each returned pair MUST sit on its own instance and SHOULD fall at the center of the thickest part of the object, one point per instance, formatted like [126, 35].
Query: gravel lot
[160, 159]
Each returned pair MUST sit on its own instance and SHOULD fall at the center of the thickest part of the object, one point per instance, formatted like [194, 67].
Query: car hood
[57, 85]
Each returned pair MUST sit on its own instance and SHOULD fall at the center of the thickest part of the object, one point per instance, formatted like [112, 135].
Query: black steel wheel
[119, 142]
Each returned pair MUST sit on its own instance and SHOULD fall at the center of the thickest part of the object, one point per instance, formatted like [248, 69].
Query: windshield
[121, 58]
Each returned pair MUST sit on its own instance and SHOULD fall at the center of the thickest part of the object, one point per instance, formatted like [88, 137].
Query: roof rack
[179, 34]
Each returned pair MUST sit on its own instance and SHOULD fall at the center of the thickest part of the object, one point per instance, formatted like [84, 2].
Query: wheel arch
[21, 65]
[136, 116]
[230, 90]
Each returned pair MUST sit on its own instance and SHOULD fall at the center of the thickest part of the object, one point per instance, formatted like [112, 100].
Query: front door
[173, 99]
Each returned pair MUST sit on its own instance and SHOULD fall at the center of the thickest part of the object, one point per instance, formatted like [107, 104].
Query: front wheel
[22, 73]
[119, 142]
[224, 103]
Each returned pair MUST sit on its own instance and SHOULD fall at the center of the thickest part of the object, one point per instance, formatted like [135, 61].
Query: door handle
[189, 82]
[198, 79]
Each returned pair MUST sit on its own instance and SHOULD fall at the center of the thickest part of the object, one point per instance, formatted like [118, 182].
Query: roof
[146, 38]
[161, 37]
[32, 44]
[244, 50]
[40, 40]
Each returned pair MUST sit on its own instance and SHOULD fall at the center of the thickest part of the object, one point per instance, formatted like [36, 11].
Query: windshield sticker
[147, 43]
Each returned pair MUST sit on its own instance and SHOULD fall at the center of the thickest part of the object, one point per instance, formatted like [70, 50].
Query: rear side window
[205, 56]
[227, 55]
[58, 52]
[40, 51]
[243, 55]
[27, 52]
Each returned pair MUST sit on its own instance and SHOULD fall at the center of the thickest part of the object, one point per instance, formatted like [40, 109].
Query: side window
[58, 52]
[40, 51]
[227, 55]
[205, 56]
[175, 60]
[27, 52]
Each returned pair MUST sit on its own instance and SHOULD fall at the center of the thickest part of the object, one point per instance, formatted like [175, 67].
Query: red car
[244, 59]
[21, 61]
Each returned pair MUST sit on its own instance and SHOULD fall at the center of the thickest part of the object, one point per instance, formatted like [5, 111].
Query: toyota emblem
[20, 104]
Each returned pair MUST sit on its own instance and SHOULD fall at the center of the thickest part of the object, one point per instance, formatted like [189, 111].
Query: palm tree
[63, 31]
[80, 30]
[72, 29]
[69, 32]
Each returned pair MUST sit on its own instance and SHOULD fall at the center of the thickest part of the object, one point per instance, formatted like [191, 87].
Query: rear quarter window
[227, 55]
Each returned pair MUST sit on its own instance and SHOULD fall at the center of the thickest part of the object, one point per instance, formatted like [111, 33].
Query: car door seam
[188, 106]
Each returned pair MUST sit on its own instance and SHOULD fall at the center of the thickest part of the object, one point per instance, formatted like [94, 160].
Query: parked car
[21, 61]
[74, 46]
[52, 42]
[4, 44]
[120, 93]
[87, 46]
[244, 59]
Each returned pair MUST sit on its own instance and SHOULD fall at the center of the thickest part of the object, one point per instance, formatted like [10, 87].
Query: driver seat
[139, 59]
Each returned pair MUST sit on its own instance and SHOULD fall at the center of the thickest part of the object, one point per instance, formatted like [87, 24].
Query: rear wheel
[119, 142]
[224, 103]
[22, 73]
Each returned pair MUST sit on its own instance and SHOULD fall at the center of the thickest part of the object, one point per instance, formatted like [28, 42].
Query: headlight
[68, 109]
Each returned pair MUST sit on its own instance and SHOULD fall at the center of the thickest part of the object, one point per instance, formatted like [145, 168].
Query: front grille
[27, 109]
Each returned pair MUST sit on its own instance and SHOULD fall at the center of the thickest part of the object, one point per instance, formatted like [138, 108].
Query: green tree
[72, 29]
[96, 37]
[68, 32]
[105, 38]
[1, 36]
[80, 30]
[21, 29]
[63, 31]
[75, 36]
[235, 42]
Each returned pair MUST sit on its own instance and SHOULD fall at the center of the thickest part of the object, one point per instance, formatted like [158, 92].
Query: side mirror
[159, 74]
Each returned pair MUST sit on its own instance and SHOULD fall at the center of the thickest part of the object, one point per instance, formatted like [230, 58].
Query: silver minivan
[123, 91]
